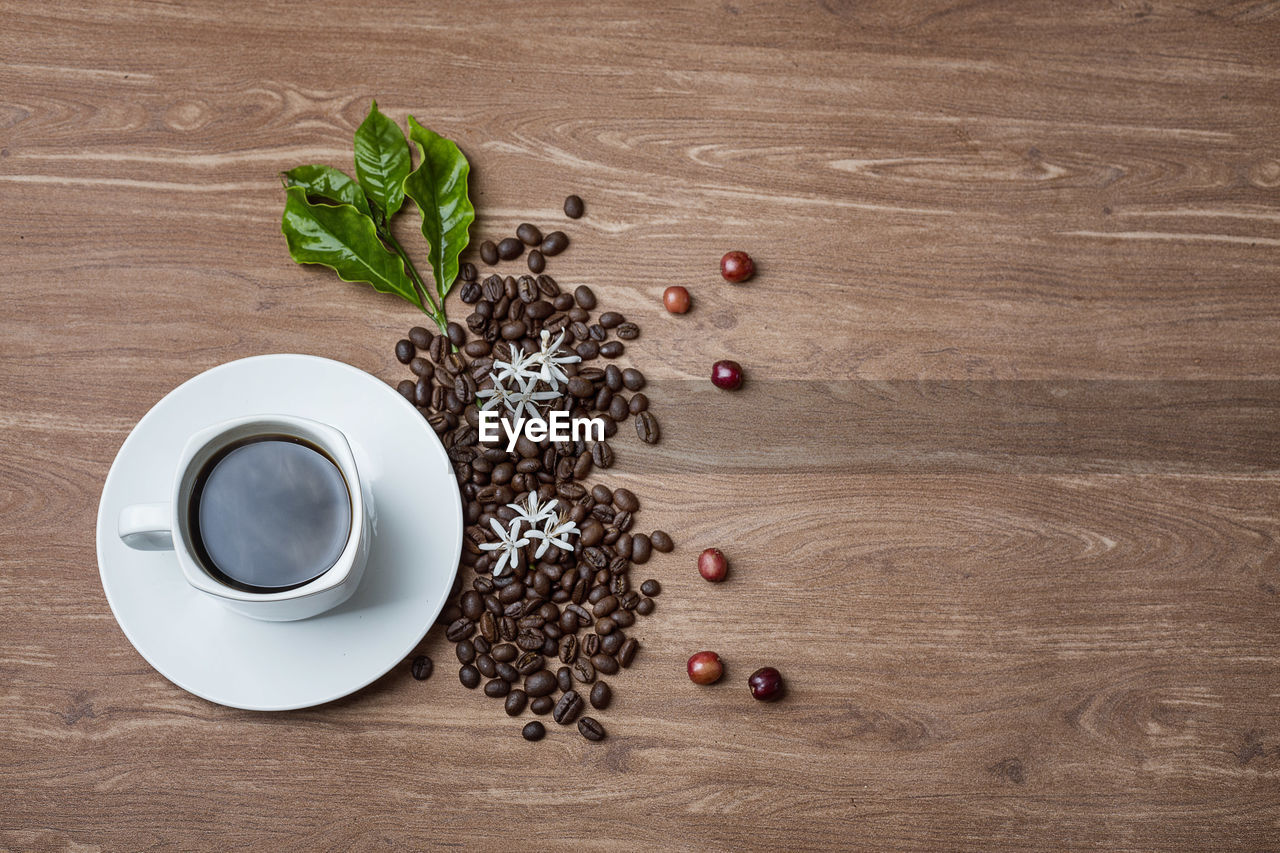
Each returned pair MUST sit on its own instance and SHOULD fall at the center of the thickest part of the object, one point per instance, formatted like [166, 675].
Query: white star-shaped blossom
[555, 531]
[528, 398]
[532, 512]
[547, 361]
[517, 368]
[507, 544]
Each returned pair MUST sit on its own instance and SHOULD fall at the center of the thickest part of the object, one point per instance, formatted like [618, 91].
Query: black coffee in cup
[269, 513]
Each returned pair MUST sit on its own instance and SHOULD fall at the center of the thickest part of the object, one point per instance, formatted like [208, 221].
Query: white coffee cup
[165, 526]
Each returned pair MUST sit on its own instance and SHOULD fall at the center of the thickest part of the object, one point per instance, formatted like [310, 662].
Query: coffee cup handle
[146, 527]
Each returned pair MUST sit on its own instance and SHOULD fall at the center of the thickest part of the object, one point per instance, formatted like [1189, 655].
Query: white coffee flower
[546, 362]
[555, 531]
[507, 544]
[532, 512]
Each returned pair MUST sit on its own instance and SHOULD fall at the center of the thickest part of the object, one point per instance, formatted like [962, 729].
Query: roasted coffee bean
[564, 679]
[602, 399]
[610, 643]
[482, 645]
[613, 378]
[534, 730]
[640, 549]
[604, 514]
[439, 348]
[542, 705]
[475, 349]
[601, 695]
[526, 289]
[573, 207]
[516, 700]
[629, 599]
[632, 379]
[605, 606]
[513, 331]
[539, 683]
[612, 349]
[627, 332]
[583, 615]
[536, 261]
[506, 672]
[591, 729]
[422, 667]
[624, 618]
[467, 271]
[605, 626]
[587, 350]
[505, 652]
[568, 648]
[627, 653]
[459, 629]
[577, 314]
[582, 466]
[510, 248]
[602, 454]
[580, 331]
[529, 663]
[597, 593]
[583, 671]
[530, 639]
[568, 708]
[529, 234]
[539, 309]
[611, 319]
[662, 541]
[646, 606]
[580, 387]
[554, 243]
[639, 403]
[601, 493]
[489, 252]
[487, 665]
[507, 629]
[590, 645]
[457, 334]
[404, 351]
[604, 663]
[584, 297]
[549, 288]
[651, 587]
[597, 332]
[533, 620]
[470, 293]
[647, 428]
[466, 651]
[618, 409]
[623, 521]
[421, 367]
[469, 676]
[488, 626]
[492, 289]
[420, 337]
[497, 688]
[625, 499]
[406, 389]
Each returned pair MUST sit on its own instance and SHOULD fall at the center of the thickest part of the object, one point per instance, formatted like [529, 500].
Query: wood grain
[1000, 494]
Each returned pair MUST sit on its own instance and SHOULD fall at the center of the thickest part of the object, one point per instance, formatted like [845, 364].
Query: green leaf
[325, 182]
[439, 188]
[382, 162]
[344, 239]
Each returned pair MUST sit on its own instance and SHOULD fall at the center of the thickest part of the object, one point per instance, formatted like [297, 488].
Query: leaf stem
[436, 311]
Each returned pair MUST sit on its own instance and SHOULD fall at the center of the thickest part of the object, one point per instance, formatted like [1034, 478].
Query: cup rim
[196, 453]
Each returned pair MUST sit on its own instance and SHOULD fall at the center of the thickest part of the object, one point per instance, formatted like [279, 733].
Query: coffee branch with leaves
[345, 224]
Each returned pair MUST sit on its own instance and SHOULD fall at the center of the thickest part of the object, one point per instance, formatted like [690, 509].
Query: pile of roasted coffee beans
[539, 635]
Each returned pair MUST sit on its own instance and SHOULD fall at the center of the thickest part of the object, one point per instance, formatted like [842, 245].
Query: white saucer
[230, 659]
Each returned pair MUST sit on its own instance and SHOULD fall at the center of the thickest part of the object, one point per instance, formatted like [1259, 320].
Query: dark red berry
[726, 374]
[705, 668]
[676, 299]
[712, 565]
[737, 266]
[765, 684]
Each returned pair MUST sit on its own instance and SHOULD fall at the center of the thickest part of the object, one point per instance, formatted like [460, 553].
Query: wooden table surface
[1000, 494]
